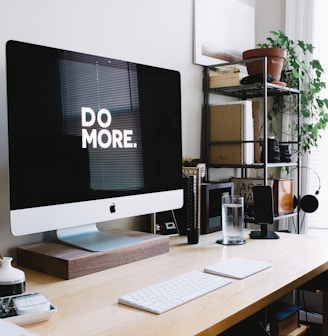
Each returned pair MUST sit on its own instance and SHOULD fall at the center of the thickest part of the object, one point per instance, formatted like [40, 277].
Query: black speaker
[285, 154]
[185, 216]
[263, 212]
[273, 151]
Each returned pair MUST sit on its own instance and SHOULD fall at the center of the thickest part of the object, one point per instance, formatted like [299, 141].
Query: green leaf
[305, 75]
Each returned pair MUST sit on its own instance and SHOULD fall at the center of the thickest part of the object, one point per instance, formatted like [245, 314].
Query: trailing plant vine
[303, 72]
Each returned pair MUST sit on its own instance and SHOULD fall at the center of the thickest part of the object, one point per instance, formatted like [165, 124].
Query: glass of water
[232, 212]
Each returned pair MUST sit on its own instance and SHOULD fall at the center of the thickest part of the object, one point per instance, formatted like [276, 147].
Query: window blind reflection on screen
[115, 89]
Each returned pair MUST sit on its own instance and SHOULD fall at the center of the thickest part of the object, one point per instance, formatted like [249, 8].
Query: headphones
[309, 203]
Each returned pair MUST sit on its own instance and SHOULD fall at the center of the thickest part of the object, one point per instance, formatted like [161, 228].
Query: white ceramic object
[12, 280]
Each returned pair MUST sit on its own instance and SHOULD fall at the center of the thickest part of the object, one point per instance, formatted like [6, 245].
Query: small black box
[211, 194]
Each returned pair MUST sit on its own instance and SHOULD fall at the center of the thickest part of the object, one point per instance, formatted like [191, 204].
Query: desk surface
[88, 305]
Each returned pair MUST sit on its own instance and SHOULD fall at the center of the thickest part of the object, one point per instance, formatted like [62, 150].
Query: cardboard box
[302, 329]
[221, 79]
[283, 197]
[286, 326]
[283, 319]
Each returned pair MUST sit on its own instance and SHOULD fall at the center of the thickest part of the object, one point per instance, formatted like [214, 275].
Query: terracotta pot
[275, 61]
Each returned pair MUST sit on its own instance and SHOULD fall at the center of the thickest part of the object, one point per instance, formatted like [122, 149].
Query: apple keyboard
[174, 292]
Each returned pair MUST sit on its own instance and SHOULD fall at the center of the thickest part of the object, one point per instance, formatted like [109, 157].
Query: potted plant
[303, 72]
[275, 61]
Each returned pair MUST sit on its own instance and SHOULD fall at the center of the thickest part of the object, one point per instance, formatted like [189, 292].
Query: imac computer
[91, 139]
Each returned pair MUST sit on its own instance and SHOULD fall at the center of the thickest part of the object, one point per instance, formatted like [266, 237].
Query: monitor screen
[90, 138]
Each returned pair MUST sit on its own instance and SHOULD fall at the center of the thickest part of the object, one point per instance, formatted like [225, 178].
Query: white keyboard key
[172, 293]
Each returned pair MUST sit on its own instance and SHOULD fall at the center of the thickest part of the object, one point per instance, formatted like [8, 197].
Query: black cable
[305, 310]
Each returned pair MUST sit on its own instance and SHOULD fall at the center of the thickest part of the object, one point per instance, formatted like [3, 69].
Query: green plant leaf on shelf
[303, 72]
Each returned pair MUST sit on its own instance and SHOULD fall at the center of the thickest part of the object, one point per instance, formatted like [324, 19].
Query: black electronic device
[89, 142]
[285, 153]
[263, 212]
[273, 151]
[211, 194]
[166, 223]
[185, 216]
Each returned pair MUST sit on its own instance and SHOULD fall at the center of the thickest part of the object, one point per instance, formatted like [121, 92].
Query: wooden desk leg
[325, 313]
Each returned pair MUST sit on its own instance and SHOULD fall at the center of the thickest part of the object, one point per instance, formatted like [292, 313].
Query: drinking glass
[232, 212]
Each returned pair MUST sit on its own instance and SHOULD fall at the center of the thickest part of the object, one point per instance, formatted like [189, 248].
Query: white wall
[270, 15]
[158, 33]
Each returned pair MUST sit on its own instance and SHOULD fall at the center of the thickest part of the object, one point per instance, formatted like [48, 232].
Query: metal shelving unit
[261, 90]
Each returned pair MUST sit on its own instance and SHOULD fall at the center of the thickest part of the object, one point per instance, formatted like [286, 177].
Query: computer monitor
[91, 139]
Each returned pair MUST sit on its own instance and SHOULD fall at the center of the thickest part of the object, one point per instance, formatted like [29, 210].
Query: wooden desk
[88, 305]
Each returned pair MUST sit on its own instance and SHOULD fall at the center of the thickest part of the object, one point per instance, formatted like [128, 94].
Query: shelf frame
[248, 91]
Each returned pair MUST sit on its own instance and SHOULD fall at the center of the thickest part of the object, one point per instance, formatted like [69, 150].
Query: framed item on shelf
[283, 196]
[244, 187]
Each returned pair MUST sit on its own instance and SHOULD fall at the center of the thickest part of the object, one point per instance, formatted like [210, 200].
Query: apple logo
[112, 208]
